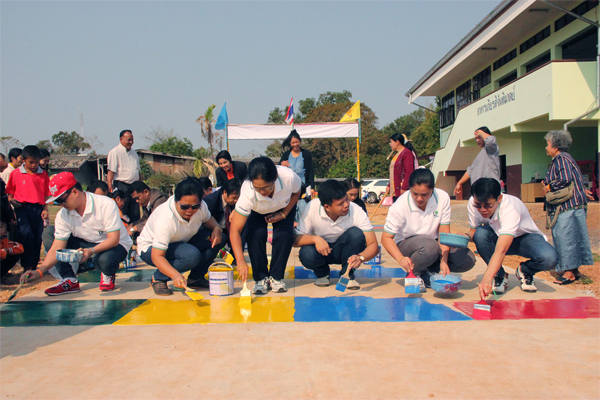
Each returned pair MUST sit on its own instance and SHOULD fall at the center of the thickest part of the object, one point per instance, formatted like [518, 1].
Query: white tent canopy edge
[306, 131]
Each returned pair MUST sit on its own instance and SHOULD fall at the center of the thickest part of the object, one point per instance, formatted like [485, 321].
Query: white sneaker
[527, 282]
[261, 287]
[500, 285]
[278, 286]
[353, 285]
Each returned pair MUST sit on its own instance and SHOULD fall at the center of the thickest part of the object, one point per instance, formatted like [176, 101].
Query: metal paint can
[376, 260]
[220, 279]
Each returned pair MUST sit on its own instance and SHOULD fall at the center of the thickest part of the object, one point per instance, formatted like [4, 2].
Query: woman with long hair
[402, 165]
[298, 159]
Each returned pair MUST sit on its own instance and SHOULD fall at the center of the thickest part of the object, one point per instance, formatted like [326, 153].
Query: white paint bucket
[220, 279]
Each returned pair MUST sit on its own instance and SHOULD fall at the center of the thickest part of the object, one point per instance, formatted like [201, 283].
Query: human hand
[322, 246]
[15, 203]
[242, 268]
[273, 218]
[45, 214]
[87, 253]
[285, 163]
[458, 189]
[485, 287]
[216, 236]
[30, 276]
[444, 269]
[406, 263]
[589, 195]
[180, 281]
[354, 262]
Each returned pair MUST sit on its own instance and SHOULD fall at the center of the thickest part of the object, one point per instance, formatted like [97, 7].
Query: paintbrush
[343, 282]
[411, 284]
[245, 292]
[193, 295]
[482, 310]
[12, 296]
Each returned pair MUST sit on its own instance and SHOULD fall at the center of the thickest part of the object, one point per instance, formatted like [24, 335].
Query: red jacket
[404, 166]
[12, 248]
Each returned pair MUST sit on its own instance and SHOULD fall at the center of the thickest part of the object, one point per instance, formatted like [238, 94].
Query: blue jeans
[542, 256]
[350, 243]
[195, 255]
[107, 261]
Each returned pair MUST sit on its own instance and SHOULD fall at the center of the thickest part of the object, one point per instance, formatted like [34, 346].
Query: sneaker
[278, 286]
[322, 282]
[201, 283]
[422, 287]
[107, 282]
[426, 278]
[500, 284]
[527, 282]
[353, 285]
[68, 285]
[161, 288]
[261, 287]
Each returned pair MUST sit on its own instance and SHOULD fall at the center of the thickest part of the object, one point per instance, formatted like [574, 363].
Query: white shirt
[124, 163]
[511, 218]
[405, 219]
[286, 184]
[166, 226]
[6, 173]
[315, 222]
[101, 216]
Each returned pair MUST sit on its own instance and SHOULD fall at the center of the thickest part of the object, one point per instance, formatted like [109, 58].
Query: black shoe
[161, 288]
[201, 283]
[426, 277]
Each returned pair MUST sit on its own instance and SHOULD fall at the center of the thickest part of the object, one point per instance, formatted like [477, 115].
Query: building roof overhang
[508, 25]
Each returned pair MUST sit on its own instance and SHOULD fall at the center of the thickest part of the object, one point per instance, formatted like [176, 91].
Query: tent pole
[227, 137]
[358, 140]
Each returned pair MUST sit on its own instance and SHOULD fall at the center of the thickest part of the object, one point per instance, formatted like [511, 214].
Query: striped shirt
[562, 172]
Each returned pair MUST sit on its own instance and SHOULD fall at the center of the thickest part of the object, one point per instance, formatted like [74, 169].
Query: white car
[374, 189]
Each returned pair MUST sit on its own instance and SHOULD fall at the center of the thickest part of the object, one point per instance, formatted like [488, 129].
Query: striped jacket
[562, 172]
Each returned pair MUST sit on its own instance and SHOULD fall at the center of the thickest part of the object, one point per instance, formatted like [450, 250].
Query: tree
[405, 124]
[95, 143]
[69, 143]
[174, 145]
[201, 153]
[426, 137]
[45, 144]
[206, 122]
[277, 116]
[145, 169]
[8, 142]
[274, 149]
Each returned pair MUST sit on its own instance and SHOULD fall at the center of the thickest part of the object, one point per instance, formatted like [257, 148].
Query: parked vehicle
[374, 190]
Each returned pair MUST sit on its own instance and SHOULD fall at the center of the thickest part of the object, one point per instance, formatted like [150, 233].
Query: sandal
[564, 281]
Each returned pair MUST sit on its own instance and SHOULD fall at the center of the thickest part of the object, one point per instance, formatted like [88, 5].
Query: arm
[487, 282]
[112, 240]
[220, 179]
[217, 233]
[458, 187]
[276, 217]
[370, 252]
[109, 181]
[388, 243]
[160, 261]
[444, 269]
[49, 262]
[408, 166]
[237, 224]
[284, 158]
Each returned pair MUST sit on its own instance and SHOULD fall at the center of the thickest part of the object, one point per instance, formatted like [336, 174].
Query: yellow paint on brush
[215, 310]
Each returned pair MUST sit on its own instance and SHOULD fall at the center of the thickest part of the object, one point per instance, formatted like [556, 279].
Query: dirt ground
[588, 285]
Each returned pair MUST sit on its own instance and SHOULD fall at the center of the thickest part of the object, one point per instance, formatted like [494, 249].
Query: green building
[527, 68]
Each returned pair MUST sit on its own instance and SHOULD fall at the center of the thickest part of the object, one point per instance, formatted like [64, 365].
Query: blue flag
[222, 121]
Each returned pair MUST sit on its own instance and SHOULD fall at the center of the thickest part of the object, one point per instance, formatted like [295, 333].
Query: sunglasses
[62, 200]
[479, 206]
[188, 206]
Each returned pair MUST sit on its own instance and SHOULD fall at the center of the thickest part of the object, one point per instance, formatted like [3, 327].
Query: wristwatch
[93, 252]
[362, 259]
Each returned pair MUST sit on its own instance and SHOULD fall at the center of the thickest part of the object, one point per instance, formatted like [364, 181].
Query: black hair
[44, 153]
[118, 193]
[31, 152]
[331, 190]
[2, 155]
[205, 182]
[484, 189]
[351, 183]
[189, 186]
[232, 186]
[96, 184]
[288, 140]
[77, 186]
[398, 137]
[15, 152]
[223, 154]
[138, 186]
[422, 176]
[484, 129]
[124, 132]
[262, 168]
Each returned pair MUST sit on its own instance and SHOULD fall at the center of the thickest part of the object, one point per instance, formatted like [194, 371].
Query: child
[10, 250]
[45, 160]
[27, 190]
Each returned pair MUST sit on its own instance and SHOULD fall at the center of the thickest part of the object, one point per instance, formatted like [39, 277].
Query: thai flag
[289, 118]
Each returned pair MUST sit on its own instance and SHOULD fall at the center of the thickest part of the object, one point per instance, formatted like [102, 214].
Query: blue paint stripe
[374, 271]
[363, 309]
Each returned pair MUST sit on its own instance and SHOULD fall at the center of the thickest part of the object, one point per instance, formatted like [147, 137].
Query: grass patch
[596, 257]
[586, 280]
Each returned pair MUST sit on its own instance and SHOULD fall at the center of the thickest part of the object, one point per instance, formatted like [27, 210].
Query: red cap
[60, 184]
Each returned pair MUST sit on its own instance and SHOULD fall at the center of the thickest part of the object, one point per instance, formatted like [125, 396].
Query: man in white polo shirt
[500, 226]
[332, 230]
[123, 170]
[89, 223]
[412, 227]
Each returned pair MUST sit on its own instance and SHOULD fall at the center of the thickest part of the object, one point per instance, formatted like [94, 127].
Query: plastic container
[445, 284]
[453, 240]
[67, 255]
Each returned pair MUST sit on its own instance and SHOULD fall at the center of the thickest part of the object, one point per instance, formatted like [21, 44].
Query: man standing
[149, 199]
[123, 170]
[332, 230]
[89, 223]
[487, 162]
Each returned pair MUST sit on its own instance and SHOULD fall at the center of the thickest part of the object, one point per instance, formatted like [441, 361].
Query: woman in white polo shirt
[268, 196]
[412, 227]
[174, 241]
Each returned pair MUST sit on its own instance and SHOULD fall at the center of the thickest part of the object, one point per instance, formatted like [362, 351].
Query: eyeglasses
[479, 206]
[63, 200]
[188, 206]
[264, 189]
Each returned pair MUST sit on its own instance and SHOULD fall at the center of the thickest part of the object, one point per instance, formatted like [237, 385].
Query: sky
[143, 65]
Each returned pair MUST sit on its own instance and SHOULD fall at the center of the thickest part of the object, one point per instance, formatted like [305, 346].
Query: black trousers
[132, 207]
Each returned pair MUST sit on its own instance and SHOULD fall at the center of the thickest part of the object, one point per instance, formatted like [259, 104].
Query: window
[535, 39]
[579, 10]
[538, 62]
[504, 60]
[507, 79]
[447, 111]
[463, 94]
[480, 80]
[582, 47]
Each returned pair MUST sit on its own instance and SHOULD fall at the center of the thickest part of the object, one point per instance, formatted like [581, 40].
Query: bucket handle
[220, 264]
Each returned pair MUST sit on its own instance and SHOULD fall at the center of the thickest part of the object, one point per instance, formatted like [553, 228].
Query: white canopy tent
[306, 131]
